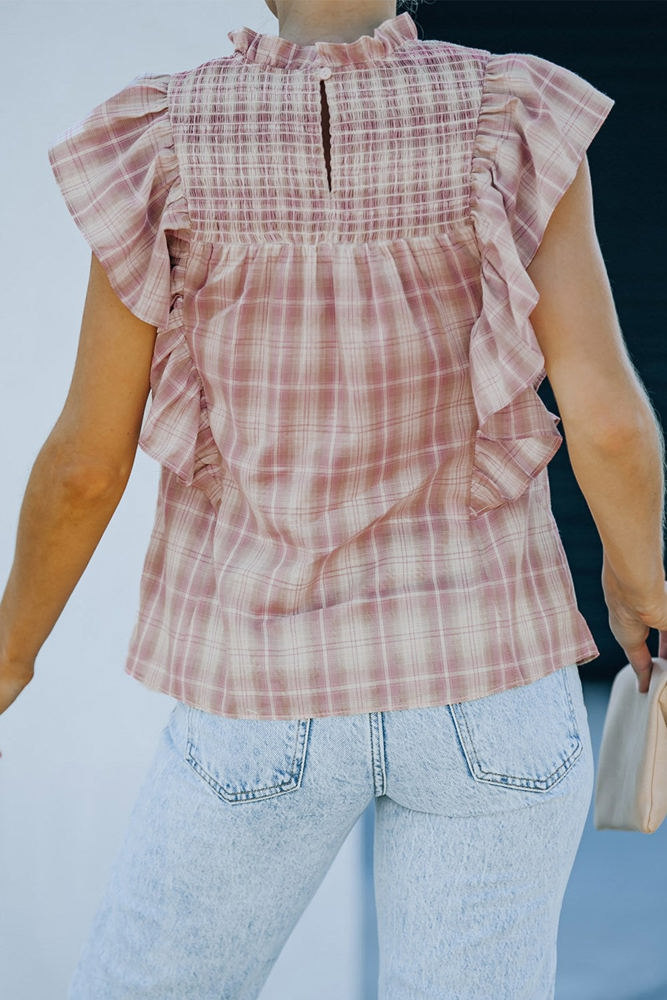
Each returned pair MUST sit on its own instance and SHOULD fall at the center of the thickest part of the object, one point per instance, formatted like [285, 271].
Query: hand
[631, 627]
[14, 677]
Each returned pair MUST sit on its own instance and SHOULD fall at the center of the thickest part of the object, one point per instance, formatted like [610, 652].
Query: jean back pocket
[524, 737]
[246, 759]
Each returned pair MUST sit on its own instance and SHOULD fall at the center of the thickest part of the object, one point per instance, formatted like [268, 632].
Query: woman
[342, 259]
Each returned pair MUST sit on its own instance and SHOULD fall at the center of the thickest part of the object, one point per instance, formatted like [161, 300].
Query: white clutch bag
[631, 785]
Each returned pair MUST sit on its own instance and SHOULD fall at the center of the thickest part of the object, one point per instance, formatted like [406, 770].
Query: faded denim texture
[480, 808]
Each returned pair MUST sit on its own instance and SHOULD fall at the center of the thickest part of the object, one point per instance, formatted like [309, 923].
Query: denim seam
[377, 753]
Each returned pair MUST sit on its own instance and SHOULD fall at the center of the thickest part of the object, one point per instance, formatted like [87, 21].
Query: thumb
[642, 664]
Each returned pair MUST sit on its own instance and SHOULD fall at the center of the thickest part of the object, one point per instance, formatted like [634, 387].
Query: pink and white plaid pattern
[354, 511]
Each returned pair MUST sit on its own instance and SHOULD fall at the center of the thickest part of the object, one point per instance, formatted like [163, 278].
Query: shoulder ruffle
[535, 123]
[118, 174]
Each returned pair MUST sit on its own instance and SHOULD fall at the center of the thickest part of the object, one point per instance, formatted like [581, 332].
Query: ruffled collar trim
[272, 50]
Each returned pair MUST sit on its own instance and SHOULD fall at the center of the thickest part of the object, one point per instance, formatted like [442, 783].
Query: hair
[409, 5]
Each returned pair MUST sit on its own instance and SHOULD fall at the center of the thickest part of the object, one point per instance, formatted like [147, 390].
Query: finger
[662, 648]
[642, 664]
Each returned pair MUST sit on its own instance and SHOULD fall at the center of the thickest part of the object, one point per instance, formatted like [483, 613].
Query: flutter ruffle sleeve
[118, 173]
[536, 121]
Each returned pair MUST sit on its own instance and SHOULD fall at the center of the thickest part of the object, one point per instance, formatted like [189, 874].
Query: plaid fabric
[354, 509]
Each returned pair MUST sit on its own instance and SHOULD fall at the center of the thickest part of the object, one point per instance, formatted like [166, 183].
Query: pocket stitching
[266, 791]
[516, 781]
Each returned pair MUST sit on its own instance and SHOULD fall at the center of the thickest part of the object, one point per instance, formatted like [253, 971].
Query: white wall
[77, 741]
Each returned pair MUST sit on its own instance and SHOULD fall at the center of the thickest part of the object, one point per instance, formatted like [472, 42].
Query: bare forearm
[60, 526]
[623, 484]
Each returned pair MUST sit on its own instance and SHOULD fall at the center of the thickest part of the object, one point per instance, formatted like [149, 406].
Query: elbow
[90, 483]
[619, 434]
[80, 480]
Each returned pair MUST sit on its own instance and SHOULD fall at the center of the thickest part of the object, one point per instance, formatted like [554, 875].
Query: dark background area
[620, 49]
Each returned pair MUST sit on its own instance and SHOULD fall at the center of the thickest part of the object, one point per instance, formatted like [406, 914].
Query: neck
[306, 22]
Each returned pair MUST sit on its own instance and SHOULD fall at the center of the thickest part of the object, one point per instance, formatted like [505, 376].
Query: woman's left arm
[78, 477]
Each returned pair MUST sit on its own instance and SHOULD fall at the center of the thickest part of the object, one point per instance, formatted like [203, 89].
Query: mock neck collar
[272, 50]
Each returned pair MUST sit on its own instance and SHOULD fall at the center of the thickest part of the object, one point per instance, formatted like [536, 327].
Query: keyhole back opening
[325, 132]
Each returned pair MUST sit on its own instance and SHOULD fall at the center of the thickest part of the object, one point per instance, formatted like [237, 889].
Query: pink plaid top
[354, 509]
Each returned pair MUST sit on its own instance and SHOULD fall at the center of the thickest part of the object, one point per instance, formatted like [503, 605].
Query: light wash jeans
[479, 811]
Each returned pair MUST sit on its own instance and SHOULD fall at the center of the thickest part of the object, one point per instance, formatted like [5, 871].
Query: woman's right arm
[613, 436]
